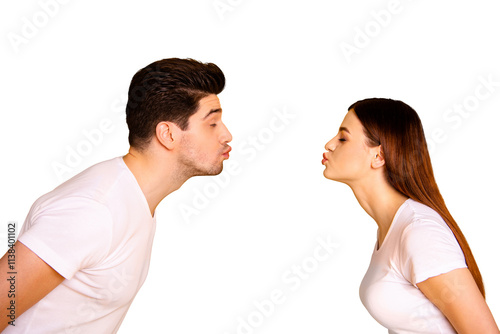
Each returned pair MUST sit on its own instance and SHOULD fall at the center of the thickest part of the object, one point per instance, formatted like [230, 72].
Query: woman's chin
[328, 175]
[331, 177]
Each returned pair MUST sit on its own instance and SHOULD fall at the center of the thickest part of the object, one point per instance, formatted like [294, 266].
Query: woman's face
[348, 158]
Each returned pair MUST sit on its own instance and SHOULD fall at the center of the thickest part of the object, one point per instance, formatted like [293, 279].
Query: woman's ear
[378, 159]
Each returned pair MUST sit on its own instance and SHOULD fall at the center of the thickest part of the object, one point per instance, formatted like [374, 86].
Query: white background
[208, 270]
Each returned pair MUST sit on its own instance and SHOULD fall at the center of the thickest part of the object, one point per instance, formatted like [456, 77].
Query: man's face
[204, 145]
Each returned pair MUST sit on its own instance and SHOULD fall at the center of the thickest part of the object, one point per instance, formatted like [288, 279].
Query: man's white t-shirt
[96, 230]
[418, 245]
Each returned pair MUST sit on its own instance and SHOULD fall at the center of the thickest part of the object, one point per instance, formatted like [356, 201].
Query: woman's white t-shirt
[418, 245]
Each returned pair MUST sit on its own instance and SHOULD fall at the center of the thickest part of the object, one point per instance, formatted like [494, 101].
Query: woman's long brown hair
[397, 128]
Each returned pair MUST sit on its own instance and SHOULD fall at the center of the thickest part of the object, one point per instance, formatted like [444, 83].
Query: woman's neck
[381, 201]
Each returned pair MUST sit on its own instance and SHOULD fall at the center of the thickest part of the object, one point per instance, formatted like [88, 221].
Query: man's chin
[210, 172]
[216, 171]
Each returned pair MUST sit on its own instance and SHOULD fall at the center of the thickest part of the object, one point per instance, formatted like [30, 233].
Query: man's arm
[33, 280]
[458, 297]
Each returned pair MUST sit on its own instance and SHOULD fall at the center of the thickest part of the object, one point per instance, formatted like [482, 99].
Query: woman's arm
[457, 296]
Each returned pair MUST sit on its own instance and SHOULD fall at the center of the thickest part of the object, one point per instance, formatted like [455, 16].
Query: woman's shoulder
[421, 225]
[415, 214]
[426, 247]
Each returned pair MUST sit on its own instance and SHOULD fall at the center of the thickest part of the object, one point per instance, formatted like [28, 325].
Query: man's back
[95, 230]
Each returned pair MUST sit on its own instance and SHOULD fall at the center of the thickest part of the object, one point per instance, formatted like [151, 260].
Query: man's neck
[156, 175]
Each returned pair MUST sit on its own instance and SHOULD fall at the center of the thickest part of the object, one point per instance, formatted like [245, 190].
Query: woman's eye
[213, 125]
[341, 139]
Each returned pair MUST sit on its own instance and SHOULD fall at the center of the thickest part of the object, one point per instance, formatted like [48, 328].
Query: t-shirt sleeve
[69, 234]
[429, 248]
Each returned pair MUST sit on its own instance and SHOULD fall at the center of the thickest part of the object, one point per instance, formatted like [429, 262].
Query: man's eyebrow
[344, 129]
[212, 112]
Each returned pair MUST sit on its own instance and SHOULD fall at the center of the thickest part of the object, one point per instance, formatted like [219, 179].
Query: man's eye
[341, 139]
[213, 125]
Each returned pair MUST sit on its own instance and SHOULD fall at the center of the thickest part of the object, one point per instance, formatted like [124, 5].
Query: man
[84, 249]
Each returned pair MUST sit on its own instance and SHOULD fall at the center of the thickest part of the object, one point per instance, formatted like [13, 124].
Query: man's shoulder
[96, 183]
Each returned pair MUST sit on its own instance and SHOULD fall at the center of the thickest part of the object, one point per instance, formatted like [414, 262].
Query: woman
[422, 277]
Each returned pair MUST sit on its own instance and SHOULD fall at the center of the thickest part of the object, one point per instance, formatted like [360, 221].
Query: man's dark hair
[168, 90]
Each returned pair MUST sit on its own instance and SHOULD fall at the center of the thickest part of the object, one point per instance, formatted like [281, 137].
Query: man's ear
[378, 158]
[166, 133]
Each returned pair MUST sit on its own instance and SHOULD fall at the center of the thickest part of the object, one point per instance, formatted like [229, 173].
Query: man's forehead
[208, 105]
[210, 101]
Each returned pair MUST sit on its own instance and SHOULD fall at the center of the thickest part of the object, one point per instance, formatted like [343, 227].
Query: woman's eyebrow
[342, 128]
